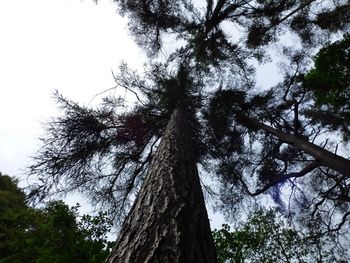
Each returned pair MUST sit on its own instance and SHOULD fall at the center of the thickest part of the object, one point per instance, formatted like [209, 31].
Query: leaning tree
[198, 105]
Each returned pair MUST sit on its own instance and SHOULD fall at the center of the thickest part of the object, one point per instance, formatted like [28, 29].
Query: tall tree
[113, 154]
[169, 222]
[170, 204]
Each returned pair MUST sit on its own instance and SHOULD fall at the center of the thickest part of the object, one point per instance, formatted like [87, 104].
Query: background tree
[266, 236]
[13, 219]
[330, 86]
[50, 234]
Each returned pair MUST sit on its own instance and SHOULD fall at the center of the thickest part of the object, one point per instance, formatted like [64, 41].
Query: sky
[67, 45]
[45, 45]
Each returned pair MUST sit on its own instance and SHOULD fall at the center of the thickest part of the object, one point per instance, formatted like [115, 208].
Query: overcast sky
[66, 45]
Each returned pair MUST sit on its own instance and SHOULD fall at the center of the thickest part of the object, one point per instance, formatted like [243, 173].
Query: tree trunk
[168, 221]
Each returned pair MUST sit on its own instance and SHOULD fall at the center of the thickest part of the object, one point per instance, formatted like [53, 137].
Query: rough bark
[168, 221]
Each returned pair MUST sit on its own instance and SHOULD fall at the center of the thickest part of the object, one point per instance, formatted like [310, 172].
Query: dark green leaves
[334, 19]
[330, 79]
[267, 237]
[53, 233]
[329, 83]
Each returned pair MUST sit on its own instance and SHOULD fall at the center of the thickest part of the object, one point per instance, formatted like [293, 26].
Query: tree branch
[309, 168]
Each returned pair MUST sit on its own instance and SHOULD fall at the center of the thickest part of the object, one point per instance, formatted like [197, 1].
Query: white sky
[68, 45]
[65, 45]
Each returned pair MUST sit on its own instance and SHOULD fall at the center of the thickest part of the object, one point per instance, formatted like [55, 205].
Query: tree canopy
[254, 141]
[330, 86]
[267, 236]
[53, 233]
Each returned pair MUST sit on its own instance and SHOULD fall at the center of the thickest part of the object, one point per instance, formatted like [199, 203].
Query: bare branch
[309, 168]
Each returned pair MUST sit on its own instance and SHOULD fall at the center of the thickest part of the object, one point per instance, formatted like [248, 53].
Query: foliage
[262, 22]
[105, 152]
[329, 82]
[254, 141]
[151, 18]
[50, 234]
[277, 148]
[267, 237]
[334, 19]
[13, 217]
[330, 79]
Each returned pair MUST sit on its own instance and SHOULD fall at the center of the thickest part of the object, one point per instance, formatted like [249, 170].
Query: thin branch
[342, 222]
[309, 168]
[100, 93]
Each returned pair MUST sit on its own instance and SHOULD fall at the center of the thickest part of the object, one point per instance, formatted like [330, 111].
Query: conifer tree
[205, 111]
